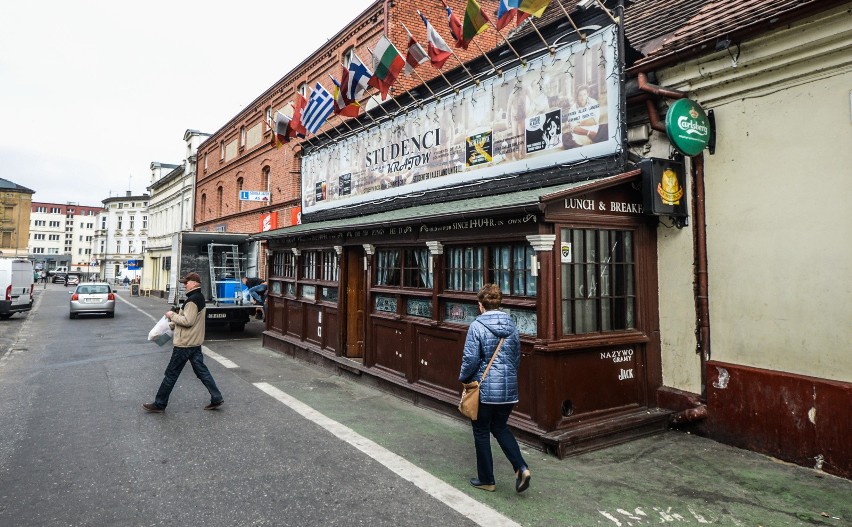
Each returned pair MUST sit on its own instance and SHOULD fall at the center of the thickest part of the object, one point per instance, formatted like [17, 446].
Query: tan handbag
[469, 404]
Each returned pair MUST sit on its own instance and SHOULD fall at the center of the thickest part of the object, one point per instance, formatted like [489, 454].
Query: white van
[61, 269]
[16, 286]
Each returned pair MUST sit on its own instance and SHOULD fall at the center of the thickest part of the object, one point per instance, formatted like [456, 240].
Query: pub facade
[518, 179]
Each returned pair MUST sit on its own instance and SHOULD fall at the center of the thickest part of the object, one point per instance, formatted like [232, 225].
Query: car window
[99, 289]
[83, 290]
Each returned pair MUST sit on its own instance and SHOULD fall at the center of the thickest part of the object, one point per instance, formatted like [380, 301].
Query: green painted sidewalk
[669, 479]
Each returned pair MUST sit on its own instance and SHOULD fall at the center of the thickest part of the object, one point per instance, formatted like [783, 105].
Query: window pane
[387, 268]
[598, 283]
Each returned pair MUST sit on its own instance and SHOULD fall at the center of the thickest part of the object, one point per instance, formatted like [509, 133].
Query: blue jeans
[176, 364]
[253, 292]
[492, 419]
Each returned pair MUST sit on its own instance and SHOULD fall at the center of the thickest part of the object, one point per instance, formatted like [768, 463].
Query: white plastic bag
[161, 332]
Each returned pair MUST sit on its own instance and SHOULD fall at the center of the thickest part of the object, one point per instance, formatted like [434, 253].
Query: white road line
[450, 496]
[218, 358]
[152, 317]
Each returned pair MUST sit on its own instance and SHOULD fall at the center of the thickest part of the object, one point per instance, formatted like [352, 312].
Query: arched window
[219, 202]
[239, 189]
[264, 179]
[203, 207]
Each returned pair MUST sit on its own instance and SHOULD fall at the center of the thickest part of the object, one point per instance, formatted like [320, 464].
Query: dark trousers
[492, 419]
[176, 364]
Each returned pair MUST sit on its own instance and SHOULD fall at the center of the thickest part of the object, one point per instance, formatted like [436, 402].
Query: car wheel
[111, 315]
[72, 315]
[4, 316]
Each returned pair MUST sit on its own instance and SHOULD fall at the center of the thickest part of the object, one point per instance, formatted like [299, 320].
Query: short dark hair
[489, 296]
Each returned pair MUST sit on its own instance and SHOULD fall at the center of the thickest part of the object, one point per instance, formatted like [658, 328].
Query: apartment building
[121, 236]
[62, 235]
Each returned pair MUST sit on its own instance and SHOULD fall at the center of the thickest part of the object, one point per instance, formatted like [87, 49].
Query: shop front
[389, 297]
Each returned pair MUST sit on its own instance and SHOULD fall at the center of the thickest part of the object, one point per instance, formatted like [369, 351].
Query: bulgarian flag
[475, 21]
[505, 13]
[388, 63]
[296, 128]
[439, 51]
[533, 7]
[279, 129]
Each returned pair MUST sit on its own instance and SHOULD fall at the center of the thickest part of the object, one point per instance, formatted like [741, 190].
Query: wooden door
[356, 285]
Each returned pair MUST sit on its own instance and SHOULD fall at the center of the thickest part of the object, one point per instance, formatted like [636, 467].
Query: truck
[16, 286]
[221, 259]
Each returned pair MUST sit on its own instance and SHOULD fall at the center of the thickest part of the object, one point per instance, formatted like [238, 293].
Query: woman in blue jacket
[498, 393]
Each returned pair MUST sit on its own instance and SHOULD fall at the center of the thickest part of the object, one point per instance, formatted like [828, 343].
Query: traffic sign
[254, 195]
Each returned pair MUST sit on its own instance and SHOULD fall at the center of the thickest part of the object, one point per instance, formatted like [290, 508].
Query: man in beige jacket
[188, 325]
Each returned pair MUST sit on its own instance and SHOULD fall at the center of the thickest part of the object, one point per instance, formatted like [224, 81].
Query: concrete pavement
[669, 479]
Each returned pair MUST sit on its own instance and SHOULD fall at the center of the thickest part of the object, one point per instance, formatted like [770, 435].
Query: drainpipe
[699, 231]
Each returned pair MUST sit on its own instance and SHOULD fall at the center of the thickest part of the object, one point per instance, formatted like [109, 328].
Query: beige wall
[779, 207]
[14, 222]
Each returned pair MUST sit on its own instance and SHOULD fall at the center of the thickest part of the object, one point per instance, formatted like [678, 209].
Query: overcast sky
[91, 92]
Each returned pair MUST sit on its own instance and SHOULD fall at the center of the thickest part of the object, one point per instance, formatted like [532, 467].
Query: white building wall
[778, 191]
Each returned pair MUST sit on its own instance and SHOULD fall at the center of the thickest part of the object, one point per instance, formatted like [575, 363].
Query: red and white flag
[439, 51]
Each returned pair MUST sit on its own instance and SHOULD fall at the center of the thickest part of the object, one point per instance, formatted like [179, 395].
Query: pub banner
[554, 110]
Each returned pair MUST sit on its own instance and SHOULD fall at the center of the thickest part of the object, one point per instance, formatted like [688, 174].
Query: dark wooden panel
[330, 329]
[390, 349]
[577, 385]
[313, 333]
[437, 357]
[294, 319]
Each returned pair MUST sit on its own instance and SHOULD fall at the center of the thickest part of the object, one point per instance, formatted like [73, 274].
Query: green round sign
[687, 127]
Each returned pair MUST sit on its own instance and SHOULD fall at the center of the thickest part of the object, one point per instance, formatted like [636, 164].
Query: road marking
[218, 358]
[448, 495]
[155, 319]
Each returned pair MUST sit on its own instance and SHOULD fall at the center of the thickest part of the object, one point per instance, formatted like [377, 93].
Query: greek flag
[319, 108]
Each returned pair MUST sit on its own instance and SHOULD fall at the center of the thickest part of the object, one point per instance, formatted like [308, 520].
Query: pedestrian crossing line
[218, 358]
[450, 496]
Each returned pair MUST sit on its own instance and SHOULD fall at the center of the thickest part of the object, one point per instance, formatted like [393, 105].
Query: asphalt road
[76, 448]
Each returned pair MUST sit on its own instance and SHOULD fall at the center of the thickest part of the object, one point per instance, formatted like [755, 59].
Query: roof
[8, 186]
[525, 200]
[663, 31]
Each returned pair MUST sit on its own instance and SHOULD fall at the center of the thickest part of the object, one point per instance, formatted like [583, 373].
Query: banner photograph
[554, 110]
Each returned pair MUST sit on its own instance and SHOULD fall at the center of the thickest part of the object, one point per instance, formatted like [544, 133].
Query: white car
[92, 298]
[16, 286]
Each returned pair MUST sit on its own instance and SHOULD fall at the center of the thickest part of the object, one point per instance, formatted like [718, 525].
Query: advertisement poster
[554, 110]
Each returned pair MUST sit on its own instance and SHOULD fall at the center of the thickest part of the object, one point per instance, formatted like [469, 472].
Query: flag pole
[506, 40]
[582, 36]
[614, 21]
[550, 49]
[499, 72]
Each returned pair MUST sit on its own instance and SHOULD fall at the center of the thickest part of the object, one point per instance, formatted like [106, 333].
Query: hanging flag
[354, 79]
[415, 56]
[533, 7]
[296, 128]
[320, 106]
[475, 21]
[509, 9]
[279, 129]
[455, 27]
[439, 51]
[341, 107]
[388, 63]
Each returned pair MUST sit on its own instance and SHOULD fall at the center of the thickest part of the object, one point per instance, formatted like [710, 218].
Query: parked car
[59, 278]
[72, 279]
[16, 286]
[92, 298]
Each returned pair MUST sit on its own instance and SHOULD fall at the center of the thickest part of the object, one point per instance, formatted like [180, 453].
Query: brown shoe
[213, 406]
[522, 481]
[153, 408]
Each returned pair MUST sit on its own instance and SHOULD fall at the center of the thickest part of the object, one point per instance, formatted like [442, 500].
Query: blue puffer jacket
[501, 384]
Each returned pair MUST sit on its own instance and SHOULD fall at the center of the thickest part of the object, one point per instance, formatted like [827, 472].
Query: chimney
[128, 193]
